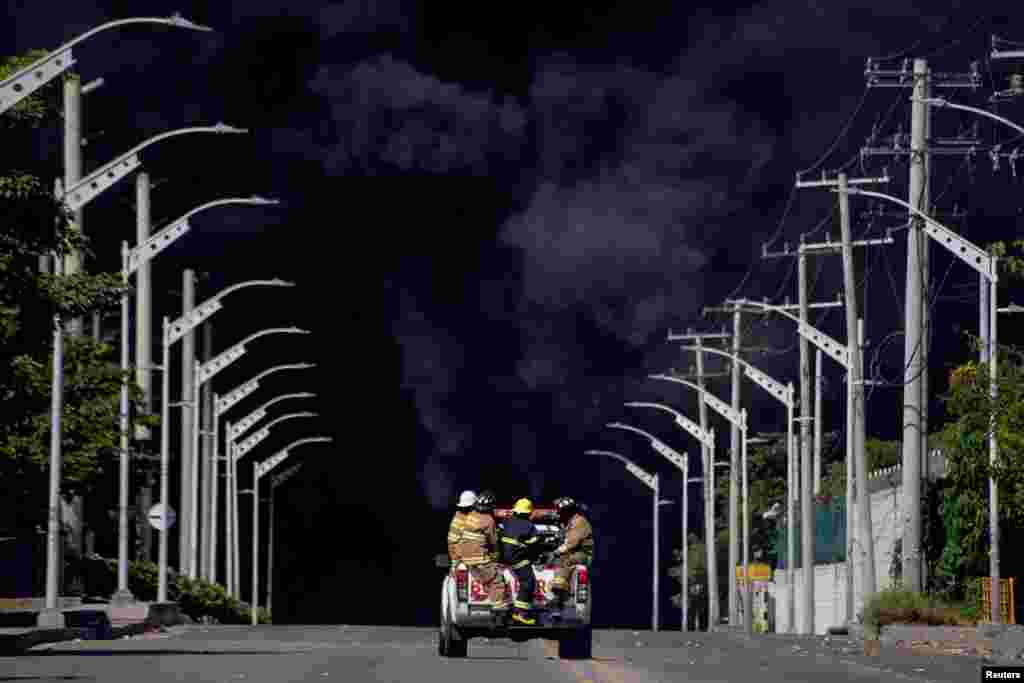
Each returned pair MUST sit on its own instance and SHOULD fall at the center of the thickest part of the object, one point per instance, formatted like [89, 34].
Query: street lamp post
[258, 470]
[180, 329]
[131, 261]
[236, 452]
[171, 333]
[707, 441]
[785, 395]
[222, 404]
[986, 265]
[737, 419]
[651, 481]
[802, 481]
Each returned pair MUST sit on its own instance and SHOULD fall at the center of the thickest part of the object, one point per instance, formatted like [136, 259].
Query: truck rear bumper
[482, 618]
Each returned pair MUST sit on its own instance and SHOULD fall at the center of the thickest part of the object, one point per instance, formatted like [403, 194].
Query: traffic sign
[155, 516]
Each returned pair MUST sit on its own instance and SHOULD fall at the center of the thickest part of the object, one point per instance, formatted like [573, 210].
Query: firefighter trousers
[491, 579]
[566, 563]
[527, 583]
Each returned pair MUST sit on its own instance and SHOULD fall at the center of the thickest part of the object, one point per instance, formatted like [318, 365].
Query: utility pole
[806, 507]
[144, 353]
[915, 398]
[188, 359]
[856, 457]
[709, 480]
[795, 477]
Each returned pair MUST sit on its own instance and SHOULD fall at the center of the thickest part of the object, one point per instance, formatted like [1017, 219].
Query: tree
[967, 461]
[34, 224]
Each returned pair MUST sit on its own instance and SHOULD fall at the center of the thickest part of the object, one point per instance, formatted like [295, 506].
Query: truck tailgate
[541, 594]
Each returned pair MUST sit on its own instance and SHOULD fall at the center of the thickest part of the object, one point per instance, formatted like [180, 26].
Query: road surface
[280, 654]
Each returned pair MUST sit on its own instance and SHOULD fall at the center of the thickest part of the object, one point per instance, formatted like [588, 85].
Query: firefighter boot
[521, 616]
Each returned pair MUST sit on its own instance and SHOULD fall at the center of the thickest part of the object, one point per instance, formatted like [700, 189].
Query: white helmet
[467, 499]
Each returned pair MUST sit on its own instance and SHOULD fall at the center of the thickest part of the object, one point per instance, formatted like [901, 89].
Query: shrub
[198, 599]
[901, 606]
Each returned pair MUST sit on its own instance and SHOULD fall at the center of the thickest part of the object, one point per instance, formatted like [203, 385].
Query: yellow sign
[758, 572]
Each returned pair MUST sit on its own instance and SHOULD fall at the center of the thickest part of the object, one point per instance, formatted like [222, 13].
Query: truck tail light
[462, 584]
[582, 585]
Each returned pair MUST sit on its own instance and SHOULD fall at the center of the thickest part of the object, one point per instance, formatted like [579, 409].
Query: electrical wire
[841, 135]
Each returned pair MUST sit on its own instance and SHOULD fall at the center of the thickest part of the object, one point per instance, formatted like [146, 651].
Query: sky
[495, 216]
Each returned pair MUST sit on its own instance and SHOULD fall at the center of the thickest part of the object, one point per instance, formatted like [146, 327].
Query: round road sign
[155, 516]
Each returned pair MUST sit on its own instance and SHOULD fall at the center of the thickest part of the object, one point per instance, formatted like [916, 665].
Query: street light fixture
[259, 469]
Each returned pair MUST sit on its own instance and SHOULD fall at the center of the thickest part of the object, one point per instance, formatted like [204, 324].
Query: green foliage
[37, 107]
[34, 223]
[899, 605]
[965, 444]
[197, 598]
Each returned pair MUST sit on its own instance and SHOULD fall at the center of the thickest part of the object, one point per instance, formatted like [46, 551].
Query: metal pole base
[124, 597]
[748, 612]
[50, 618]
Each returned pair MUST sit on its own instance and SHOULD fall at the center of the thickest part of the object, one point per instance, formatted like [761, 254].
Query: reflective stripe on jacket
[479, 540]
[518, 542]
[455, 530]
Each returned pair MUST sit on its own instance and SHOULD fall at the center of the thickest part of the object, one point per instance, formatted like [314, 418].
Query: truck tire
[576, 644]
[451, 643]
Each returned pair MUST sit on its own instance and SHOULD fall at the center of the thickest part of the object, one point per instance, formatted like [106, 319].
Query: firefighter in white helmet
[463, 508]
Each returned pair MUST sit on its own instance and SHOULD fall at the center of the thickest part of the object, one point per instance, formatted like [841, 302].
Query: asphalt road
[276, 654]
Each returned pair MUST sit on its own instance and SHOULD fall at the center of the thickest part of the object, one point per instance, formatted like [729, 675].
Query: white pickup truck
[466, 614]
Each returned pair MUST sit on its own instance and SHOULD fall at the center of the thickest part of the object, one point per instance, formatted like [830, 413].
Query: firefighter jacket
[455, 534]
[519, 542]
[479, 542]
[579, 535]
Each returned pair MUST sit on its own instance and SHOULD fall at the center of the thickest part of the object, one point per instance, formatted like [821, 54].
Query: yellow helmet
[523, 506]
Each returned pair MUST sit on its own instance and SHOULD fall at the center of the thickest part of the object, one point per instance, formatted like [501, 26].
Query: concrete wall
[830, 579]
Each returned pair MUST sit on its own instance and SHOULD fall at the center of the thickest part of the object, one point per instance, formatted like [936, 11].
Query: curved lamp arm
[651, 480]
[183, 325]
[705, 437]
[289, 416]
[229, 399]
[966, 251]
[656, 443]
[167, 235]
[21, 83]
[247, 422]
[941, 102]
[270, 463]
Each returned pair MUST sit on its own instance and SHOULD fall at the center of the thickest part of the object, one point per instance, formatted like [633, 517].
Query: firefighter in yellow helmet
[478, 550]
[578, 547]
[463, 508]
[519, 546]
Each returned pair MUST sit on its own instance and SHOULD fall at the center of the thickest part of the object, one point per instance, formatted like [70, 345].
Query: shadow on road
[150, 653]
[64, 677]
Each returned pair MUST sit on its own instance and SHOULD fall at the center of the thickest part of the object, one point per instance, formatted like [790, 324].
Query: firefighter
[578, 547]
[519, 544]
[463, 508]
[478, 550]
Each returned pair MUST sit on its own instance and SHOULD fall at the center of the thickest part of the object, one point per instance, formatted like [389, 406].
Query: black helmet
[485, 502]
[565, 505]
